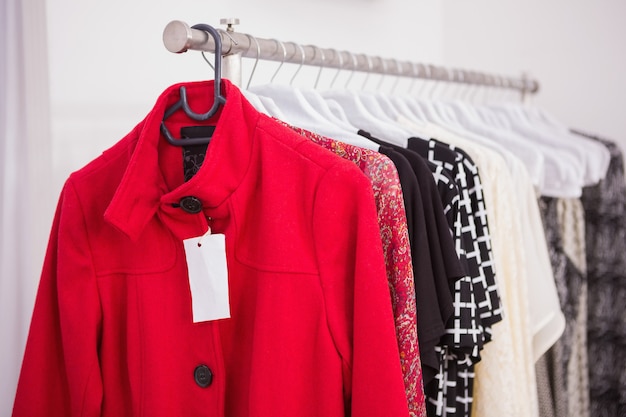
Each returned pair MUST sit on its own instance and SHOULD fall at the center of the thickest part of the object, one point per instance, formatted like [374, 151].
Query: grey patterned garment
[572, 223]
[605, 221]
[563, 392]
[545, 395]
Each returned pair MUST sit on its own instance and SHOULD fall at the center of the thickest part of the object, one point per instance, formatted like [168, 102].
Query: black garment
[605, 236]
[439, 223]
[433, 298]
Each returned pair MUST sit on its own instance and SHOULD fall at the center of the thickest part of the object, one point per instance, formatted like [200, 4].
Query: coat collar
[153, 182]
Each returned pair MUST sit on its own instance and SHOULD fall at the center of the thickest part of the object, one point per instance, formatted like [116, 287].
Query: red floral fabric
[395, 238]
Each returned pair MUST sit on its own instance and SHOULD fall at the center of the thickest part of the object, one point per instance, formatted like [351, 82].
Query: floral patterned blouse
[395, 239]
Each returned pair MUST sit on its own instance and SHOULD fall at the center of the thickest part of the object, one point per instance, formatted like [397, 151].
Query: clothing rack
[179, 37]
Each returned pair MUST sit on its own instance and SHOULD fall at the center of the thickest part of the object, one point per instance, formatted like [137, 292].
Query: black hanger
[218, 98]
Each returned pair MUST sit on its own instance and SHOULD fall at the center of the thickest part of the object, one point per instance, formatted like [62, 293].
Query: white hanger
[591, 159]
[300, 113]
[414, 116]
[397, 110]
[250, 96]
[389, 111]
[531, 156]
[273, 109]
[464, 112]
[337, 110]
[550, 175]
[565, 167]
[459, 118]
[599, 156]
[489, 117]
[317, 101]
[359, 115]
[424, 106]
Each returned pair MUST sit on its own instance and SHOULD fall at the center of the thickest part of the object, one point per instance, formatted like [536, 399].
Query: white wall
[575, 48]
[25, 168]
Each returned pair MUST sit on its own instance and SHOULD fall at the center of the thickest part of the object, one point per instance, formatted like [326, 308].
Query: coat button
[191, 204]
[203, 376]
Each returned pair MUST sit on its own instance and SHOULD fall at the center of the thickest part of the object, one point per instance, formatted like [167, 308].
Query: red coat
[311, 331]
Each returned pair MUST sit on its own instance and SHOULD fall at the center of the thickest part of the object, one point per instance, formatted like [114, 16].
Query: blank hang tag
[208, 277]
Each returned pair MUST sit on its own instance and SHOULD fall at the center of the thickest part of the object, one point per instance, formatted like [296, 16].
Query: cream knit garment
[505, 383]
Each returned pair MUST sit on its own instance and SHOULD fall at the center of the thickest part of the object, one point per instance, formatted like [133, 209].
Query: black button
[203, 376]
[191, 205]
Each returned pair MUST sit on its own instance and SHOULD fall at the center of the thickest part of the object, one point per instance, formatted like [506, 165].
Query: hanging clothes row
[555, 160]
[295, 252]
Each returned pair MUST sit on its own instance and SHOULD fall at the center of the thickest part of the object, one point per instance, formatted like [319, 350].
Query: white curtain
[25, 174]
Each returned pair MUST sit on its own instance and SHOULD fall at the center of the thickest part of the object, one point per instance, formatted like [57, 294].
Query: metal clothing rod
[178, 37]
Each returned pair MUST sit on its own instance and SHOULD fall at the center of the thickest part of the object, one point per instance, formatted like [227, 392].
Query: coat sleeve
[358, 304]
[60, 373]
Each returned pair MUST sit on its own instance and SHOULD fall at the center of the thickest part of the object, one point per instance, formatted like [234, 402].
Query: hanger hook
[450, 79]
[425, 90]
[423, 68]
[207, 60]
[301, 62]
[465, 83]
[470, 79]
[354, 63]
[369, 70]
[232, 40]
[499, 85]
[281, 62]
[513, 94]
[476, 90]
[384, 64]
[464, 77]
[437, 82]
[338, 69]
[487, 92]
[490, 89]
[485, 89]
[256, 61]
[218, 98]
[415, 74]
[398, 75]
[503, 92]
[481, 96]
[460, 83]
[319, 73]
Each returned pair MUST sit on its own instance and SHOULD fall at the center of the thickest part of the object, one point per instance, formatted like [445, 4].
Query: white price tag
[208, 277]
